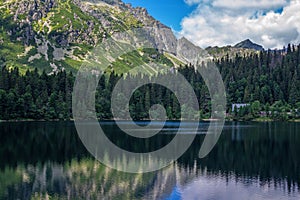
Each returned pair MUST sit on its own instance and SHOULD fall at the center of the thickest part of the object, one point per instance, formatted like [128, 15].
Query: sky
[169, 12]
[271, 23]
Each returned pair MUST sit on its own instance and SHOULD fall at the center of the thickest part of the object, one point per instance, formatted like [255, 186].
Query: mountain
[248, 44]
[58, 34]
[244, 48]
[220, 52]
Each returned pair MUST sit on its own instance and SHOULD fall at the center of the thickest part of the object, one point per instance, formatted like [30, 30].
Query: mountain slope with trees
[44, 42]
[268, 81]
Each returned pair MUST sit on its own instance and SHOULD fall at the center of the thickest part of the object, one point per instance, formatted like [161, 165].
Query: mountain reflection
[41, 160]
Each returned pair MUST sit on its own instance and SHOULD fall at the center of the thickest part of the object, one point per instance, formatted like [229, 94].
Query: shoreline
[201, 120]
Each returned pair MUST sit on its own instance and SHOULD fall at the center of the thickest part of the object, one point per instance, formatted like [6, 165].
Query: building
[238, 106]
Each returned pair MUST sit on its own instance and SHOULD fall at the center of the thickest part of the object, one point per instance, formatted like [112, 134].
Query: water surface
[40, 160]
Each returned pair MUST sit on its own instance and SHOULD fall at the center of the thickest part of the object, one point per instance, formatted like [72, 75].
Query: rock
[189, 52]
[98, 20]
[248, 44]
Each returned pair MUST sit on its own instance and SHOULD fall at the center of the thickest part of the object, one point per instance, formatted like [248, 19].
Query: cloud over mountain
[272, 23]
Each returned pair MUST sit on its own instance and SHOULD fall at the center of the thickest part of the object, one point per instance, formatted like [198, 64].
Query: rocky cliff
[248, 44]
[58, 34]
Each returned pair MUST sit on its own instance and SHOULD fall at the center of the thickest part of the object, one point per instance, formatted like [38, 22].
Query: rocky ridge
[55, 35]
[248, 44]
[58, 34]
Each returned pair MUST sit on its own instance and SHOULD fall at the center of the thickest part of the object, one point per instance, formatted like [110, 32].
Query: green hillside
[58, 36]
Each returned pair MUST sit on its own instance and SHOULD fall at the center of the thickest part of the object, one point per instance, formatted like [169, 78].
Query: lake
[47, 160]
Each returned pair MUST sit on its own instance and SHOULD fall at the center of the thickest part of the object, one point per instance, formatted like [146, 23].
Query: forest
[268, 82]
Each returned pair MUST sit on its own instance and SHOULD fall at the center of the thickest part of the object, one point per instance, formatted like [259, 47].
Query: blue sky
[271, 23]
[169, 12]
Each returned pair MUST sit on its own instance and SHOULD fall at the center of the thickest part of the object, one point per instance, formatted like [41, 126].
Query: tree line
[269, 82]
[34, 95]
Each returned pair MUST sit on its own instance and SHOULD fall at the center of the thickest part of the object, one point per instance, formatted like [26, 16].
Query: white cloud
[223, 22]
[254, 4]
[192, 2]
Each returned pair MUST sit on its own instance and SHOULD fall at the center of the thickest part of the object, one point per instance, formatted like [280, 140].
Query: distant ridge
[248, 44]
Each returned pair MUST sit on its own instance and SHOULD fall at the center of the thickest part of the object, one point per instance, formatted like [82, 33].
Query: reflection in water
[220, 187]
[250, 161]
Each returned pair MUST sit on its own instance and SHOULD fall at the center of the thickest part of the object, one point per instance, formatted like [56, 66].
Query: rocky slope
[243, 48]
[248, 44]
[58, 34]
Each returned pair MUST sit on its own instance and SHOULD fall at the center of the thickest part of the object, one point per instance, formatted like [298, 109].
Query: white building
[239, 105]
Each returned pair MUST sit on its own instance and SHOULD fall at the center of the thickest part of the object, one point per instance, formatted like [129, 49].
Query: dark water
[42, 160]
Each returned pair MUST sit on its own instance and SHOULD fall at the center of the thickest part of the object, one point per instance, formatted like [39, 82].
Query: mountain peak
[248, 44]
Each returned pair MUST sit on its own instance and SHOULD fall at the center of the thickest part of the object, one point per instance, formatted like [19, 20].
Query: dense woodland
[269, 82]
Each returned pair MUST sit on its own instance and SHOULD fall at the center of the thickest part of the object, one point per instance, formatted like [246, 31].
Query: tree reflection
[40, 159]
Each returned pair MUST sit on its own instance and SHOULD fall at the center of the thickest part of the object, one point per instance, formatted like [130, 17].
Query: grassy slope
[10, 48]
[58, 21]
